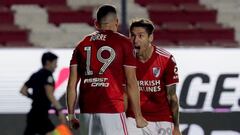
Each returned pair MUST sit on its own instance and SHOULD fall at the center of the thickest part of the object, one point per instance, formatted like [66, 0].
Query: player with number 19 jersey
[101, 57]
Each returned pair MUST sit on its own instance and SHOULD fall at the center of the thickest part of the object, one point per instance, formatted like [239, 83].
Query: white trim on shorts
[123, 120]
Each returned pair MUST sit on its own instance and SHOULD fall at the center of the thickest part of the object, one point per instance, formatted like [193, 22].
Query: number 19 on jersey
[106, 61]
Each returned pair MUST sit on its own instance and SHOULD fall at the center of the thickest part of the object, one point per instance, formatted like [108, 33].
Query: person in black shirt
[42, 85]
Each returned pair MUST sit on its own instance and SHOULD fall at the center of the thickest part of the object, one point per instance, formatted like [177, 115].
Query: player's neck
[112, 28]
[146, 55]
[47, 68]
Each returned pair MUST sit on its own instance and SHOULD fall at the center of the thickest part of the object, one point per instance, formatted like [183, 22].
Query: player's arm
[174, 104]
[134, 95]
[125, 99]
[71, 89]
[24, 91]
[171, 77]
[28, 84]
[49, 89]
[72, 96]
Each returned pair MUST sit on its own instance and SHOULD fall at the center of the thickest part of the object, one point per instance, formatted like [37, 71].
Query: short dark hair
[105, 10]
[48, 56]
[145, 23]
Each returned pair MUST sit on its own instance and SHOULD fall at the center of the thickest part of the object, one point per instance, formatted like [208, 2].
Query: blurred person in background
[103, 60]
[42, 85]
[157, 77]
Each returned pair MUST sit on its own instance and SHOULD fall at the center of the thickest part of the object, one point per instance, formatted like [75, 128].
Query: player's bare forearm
[133, 92]
[133, 96]
[49, 92]
[175, 109]
[125, 99]
[71, 99]
[174, 104]
[71, 90]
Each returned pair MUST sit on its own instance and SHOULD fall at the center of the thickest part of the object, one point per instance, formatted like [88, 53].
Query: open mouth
[137, 47]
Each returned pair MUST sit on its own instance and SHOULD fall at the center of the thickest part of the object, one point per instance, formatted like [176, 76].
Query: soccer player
[103, 61]
[157, 77]
[42, 85]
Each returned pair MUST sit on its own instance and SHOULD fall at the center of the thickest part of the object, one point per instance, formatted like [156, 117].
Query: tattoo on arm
[174, 104]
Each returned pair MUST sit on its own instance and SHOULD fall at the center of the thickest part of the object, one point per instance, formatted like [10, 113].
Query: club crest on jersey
[156, 71]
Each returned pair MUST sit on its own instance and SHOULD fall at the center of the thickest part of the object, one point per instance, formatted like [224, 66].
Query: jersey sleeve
[74, 58]
[129, 58]
[49, 80]
[171, 74]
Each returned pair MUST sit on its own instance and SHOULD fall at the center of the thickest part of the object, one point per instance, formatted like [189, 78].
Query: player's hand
[141, 122]
[73, 122]
[176, 131]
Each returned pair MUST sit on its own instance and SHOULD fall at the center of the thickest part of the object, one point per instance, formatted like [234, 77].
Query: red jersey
[153, 77]
[101, 58]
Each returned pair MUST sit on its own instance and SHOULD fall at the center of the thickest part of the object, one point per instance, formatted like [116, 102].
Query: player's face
[53, 65]
[140, 39]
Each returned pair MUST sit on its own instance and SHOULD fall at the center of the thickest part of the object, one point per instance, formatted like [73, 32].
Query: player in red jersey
[157, 77]
[103, 60]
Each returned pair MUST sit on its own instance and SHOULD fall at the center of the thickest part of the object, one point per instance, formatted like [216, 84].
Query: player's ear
[117, 22]
[97, 25]
[151, 37]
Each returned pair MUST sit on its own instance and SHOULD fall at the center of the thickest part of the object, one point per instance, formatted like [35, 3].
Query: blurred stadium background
[203, 35]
